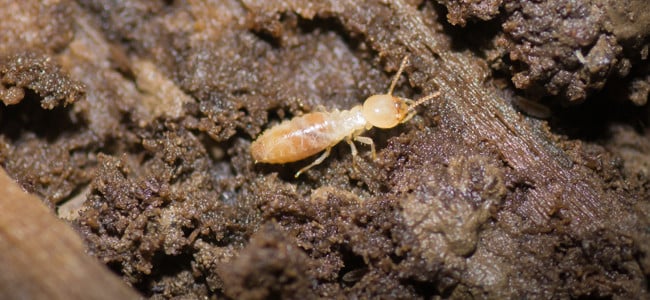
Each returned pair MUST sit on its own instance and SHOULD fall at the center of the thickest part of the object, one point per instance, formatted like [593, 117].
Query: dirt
[527, 178]
[569, 49]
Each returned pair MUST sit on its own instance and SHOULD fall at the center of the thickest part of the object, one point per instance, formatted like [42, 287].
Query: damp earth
[528, 177]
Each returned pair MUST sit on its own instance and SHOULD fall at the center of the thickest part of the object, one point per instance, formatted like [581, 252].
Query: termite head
[385, 111]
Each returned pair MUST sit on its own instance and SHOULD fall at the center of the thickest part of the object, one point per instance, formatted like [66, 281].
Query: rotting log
[484, 116]
[43, 258]
[136, 197]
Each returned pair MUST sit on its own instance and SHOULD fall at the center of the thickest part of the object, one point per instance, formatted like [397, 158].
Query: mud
[135, 124]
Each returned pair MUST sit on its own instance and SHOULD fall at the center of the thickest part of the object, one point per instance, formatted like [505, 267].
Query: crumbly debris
[468, 199]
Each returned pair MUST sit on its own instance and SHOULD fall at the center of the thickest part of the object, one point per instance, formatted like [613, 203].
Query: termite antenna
[422, 100]
[399, 72]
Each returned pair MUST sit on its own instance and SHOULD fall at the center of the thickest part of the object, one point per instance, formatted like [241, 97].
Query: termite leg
[353, 148]
[368, 141]
[319, 160]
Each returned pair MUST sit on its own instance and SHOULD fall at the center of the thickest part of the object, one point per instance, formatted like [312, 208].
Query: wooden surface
[41, 257]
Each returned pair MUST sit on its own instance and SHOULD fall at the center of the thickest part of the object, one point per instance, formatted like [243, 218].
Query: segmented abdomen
[296, 139]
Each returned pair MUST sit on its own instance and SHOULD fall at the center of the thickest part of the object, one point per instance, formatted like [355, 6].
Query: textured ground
[527, 178]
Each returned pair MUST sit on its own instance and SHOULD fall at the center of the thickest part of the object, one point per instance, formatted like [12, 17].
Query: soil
[529, 177]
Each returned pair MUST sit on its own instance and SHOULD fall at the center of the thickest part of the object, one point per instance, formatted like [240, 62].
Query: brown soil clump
[152, 107]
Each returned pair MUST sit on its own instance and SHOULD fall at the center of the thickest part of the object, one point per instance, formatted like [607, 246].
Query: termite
[303, 136]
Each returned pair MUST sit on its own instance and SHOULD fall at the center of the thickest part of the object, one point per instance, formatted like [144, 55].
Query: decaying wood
[43, 258]
[470, 199]
[485, 116]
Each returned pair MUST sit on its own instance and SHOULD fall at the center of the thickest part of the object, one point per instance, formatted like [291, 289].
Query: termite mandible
[303, 136]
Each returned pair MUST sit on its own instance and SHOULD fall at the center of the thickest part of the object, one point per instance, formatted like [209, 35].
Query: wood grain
[41, 257]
